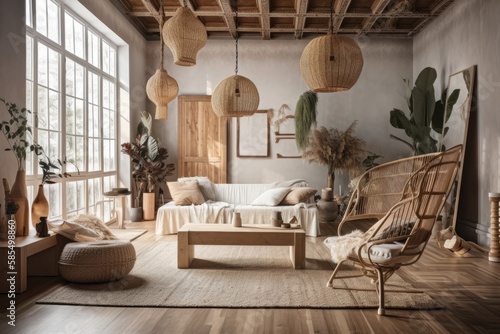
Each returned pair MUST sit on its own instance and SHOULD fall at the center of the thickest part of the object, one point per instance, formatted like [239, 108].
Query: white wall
[13, 76]
[274, 68]
[467, 34]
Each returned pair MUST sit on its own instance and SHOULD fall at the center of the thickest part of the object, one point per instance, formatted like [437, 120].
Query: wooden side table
[33, 255]
[120, 205]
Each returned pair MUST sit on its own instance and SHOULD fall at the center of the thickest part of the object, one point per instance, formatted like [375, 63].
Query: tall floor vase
[40, 207]
[148, 204]
[19, 193]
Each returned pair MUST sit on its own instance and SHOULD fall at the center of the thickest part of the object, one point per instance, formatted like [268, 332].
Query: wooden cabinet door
[202, 139]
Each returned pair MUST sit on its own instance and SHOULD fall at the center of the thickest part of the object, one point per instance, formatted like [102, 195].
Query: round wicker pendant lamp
[185, 35]
[331, 63]
[235, 96]
[161, 88]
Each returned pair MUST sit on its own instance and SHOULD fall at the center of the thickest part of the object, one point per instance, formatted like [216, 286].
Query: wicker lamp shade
[324, 73]
[235, 96]
[161, 88]
[185, 35]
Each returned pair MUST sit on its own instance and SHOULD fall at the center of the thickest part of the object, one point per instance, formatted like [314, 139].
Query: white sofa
[230, 198]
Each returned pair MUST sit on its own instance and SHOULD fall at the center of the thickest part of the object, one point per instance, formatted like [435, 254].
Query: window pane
[54, 60]
[108, 59]
[29, 58]
[94, 48]
[54, 110]
[53, 21]
[43, 72]
[47, 19]
[43, 110]
[74, 32]
[29, 18]
[53, 194]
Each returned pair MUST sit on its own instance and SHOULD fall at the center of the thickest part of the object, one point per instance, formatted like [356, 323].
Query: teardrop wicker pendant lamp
[185, 35]
[331, 63]
[161, 88]
[235, 96]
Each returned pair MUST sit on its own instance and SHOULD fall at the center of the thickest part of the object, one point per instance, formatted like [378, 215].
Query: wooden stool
[494, 255]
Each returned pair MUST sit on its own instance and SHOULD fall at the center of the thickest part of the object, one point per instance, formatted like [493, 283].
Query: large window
[71, 88]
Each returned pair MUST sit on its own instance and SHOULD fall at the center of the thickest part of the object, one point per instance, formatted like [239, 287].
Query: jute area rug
[234, 276]
[128, 234]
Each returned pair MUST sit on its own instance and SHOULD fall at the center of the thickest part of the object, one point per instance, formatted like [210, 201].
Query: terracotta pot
[40, 207]
[19, 193]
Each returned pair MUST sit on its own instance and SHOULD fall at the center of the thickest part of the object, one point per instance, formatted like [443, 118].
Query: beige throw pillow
[74, 231]
[185, 193]
[205, 184]
[298, 195]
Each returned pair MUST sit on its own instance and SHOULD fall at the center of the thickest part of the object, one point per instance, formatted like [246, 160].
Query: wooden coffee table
[190, 235]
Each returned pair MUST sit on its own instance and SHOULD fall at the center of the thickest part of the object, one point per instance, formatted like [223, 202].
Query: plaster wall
[13, 75]
[273, 66]
[467, 34]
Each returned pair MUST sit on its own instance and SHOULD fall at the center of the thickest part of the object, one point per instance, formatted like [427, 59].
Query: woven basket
[185, 35]
[161, 89]
[323, 75]
[225, 103]
[96, 261]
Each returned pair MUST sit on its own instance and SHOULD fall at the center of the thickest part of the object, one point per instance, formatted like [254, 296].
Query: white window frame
[34, 177]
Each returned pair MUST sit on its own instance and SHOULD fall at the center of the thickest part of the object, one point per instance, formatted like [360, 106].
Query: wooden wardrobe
[202, 139]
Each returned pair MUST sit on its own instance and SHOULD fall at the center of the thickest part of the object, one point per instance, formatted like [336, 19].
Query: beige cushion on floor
[97, 261]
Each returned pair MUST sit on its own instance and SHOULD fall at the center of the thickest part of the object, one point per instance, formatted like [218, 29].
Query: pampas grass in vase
[335, 149]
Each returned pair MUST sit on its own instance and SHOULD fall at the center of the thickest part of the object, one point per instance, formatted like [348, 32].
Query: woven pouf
[96, 261]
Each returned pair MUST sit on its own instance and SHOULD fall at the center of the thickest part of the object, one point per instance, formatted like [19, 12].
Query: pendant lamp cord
[331, 17]
[236, 39]
[162, 19]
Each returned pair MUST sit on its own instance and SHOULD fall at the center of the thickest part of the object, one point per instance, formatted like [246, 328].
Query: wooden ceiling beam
[377, 8]
[300, 18]
[265, 19]
[152, 9]
[341, 7]
[437, 9]
[228, 15]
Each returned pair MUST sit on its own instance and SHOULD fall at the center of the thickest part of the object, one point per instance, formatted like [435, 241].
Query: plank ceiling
[290, 19]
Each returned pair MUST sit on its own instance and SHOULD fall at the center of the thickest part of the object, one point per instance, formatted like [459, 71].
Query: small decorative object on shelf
[237, 219]
[42, 229]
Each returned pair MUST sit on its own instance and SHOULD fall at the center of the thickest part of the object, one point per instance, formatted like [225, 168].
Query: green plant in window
[18, 133]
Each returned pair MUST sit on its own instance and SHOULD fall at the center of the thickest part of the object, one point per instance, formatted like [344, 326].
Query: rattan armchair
[400, 236]
[378, 189]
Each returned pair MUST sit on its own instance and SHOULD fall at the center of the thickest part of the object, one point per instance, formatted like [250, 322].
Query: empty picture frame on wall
[252, 135]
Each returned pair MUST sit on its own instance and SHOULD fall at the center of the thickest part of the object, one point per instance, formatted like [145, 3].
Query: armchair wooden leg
[381, 302]
[329, 283]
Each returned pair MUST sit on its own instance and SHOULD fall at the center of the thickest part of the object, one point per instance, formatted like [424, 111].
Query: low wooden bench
[248, 235]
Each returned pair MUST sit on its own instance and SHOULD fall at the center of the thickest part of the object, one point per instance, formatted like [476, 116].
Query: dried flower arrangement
[335, 149]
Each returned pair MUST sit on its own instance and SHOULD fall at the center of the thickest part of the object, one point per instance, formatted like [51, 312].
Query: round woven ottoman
[96, 261]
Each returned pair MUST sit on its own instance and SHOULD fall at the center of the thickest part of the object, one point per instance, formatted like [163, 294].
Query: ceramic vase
[19, 193]
[135, 214]
[40, 207]
[148, 204]
[328, 211]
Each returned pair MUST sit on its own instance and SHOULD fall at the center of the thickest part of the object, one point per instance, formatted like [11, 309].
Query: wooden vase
[148, 204]
[40, 207]
[19, 193]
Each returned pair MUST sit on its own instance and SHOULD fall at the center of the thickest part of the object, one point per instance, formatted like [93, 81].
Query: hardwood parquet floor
[468, 286]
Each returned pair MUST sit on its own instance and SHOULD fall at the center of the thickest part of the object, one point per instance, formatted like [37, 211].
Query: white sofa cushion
[271, 197]
[239, 193]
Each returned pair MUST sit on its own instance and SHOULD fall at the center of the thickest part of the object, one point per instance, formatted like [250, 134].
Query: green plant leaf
[305, 118]
[423, 98]
[399, 120]
[452, 99]
[152, 147]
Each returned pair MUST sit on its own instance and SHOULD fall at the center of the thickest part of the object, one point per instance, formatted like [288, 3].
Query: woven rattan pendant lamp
[235, 96]
[185, 35]
[161, 88]
[331, 63]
